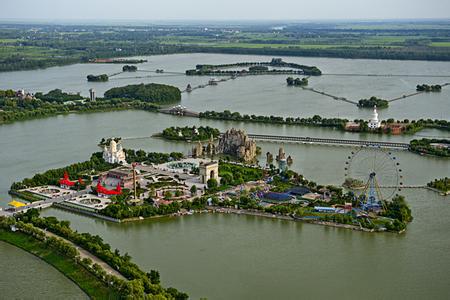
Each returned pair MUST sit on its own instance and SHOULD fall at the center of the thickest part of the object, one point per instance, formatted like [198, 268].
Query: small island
[152, 92]
[428, 88]
[117, 61]
[190, 133]
[128, 68]
[442, 185]
[372, 102]
[255, 68]
[97, 78]
[436, 147]
[297, 81]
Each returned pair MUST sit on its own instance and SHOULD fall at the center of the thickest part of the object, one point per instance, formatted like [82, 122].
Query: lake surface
[24, 276]
[240, 257]
[268, 94]
[243, 257]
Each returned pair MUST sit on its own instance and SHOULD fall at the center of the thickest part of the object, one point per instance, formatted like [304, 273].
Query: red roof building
[101, 190]
[65, 182]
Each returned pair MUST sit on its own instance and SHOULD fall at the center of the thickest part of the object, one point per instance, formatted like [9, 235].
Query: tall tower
[91, 94]
[374, 123]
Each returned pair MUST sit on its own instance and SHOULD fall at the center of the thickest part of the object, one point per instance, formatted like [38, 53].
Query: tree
[167, 195]
[212, 183]
[193, 190]
[154, 276]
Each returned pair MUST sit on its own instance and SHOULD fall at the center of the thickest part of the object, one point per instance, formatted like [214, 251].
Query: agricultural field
[40, 46]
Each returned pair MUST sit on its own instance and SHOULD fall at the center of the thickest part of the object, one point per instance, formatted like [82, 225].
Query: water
[26, 150]
[239, 257]
[244, 257]
[266, 95]
[25, 276]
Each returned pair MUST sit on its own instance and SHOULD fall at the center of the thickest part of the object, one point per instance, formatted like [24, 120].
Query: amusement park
[127, 186]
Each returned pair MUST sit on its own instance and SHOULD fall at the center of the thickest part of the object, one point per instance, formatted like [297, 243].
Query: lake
[241, 257]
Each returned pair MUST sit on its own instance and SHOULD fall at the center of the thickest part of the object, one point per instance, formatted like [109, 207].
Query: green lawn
[84, 279]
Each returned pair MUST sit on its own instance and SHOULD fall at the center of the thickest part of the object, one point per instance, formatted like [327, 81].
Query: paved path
[86, 254]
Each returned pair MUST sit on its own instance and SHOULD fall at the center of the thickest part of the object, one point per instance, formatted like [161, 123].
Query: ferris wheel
[374, 175]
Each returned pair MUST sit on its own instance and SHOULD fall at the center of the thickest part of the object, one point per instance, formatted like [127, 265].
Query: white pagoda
[113, 153]
[374, 123]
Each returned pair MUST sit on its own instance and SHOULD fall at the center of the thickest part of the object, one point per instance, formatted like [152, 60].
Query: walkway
[324, 141]
[86, 254]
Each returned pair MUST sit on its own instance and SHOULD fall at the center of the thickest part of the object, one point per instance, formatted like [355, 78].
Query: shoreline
[39, 252]
[223, 210]
[289, 218]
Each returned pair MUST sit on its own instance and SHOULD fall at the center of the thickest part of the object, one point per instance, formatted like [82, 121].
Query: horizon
[162, 22]
[231, 10]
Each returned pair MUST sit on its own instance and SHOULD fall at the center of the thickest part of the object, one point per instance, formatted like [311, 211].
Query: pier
[325, 141]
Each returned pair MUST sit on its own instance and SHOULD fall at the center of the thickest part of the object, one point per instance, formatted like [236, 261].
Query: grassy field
[440, 44]
[84, 279]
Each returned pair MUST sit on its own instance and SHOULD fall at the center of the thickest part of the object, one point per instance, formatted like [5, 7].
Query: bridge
[42, 203]
[325, 141]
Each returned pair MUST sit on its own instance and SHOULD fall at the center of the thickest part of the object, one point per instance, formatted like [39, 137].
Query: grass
[440, 44]
[75, 272]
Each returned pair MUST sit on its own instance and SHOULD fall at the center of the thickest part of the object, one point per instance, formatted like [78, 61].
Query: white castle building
[374, 123]
[113, 153]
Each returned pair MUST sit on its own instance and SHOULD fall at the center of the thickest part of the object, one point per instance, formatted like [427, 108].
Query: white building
[374, 123]
[114, 153]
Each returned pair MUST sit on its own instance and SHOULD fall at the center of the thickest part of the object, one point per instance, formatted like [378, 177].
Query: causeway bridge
[325, 141]
[42, 203]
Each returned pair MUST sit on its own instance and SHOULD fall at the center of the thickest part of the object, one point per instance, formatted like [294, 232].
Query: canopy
[16, 204]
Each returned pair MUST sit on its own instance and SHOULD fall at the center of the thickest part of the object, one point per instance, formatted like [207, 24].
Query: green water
[25, 276]
[240, 257]
[243, 257]
[268, 94]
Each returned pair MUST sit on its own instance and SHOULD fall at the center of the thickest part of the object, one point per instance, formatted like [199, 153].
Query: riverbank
[90, 284]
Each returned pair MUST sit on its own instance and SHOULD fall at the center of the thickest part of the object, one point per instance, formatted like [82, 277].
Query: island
[255, 68]
[297, 81]
[128, 68]
[442, 185]
[152, 92]
[428, 88]
[372, 102]
[436, 147]
[202, 133]
[149, 185]
[24, 105]
[117, 61]
[98, 78]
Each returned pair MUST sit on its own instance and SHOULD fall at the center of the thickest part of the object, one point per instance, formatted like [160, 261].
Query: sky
[222, 9]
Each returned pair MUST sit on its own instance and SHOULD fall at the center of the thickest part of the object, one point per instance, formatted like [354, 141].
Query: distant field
[440, 44]
[276, 46]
